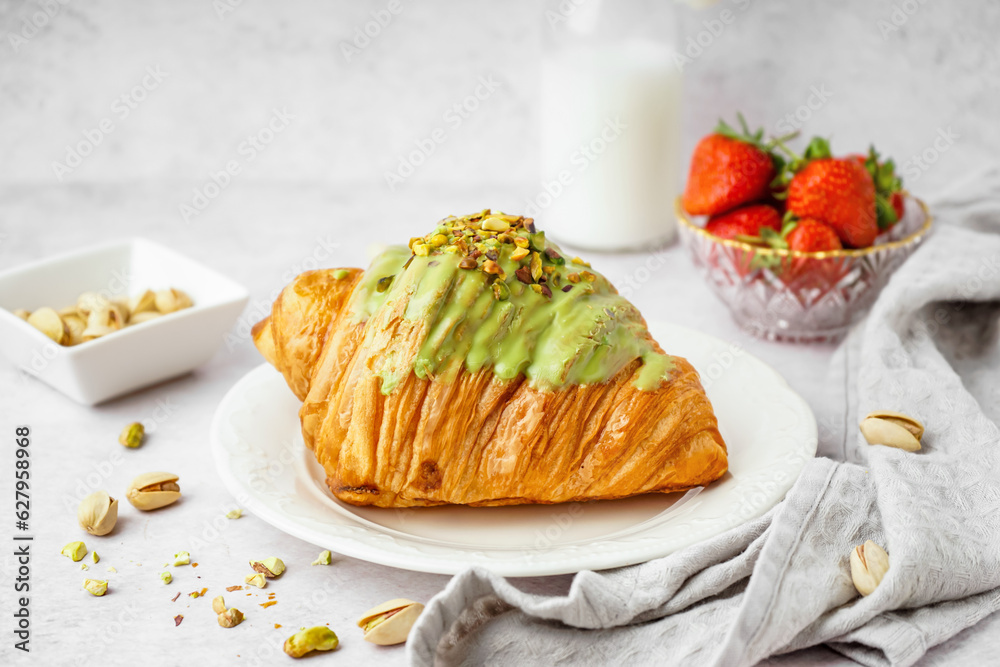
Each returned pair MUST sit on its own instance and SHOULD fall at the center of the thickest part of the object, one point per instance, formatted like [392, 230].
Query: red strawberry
[728, 169]
[745, 221]
[810, 235]
[889, 205]
[896, 200]
[839, 192]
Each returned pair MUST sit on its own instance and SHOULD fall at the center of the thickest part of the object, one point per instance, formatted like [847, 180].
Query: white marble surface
[316, 196]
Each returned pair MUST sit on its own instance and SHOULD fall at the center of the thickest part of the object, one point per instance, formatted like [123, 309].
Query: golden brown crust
[477, 440]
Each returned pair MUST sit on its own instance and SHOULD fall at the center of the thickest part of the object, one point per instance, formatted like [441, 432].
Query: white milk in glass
[610, 145]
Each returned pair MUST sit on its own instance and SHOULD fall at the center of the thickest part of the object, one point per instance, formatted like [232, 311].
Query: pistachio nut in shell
[153, 490]
[49, 323]
[869, 563]
[318, 638]
[98, 513]
[171, 300]
[142, 303]
[75, 325]
[390, 622]
[104, 320]
[911, 424]
[145, 316]
[89, 301]
[878, 431]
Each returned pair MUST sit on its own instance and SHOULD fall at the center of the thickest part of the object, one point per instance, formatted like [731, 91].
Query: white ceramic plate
[769, 429]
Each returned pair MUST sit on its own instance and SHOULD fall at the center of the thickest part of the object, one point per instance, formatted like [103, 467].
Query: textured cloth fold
[782, 582]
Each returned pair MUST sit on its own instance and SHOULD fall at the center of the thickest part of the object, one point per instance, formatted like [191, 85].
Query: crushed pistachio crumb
[234, 514]
[323, 558]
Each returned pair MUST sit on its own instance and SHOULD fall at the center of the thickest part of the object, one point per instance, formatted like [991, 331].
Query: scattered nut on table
[324, 558]
[95, 315]
[228, 618]
[153, 490]
[270, 567]
[75, 551]
[869, 563]
[182, 558]
[318, 638]
[132, 435]
[390, 622]
[95, 586]
[892, 429]
[98, 513]
[257, 580]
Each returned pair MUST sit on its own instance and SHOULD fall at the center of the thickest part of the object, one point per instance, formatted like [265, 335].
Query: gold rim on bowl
[780, 252]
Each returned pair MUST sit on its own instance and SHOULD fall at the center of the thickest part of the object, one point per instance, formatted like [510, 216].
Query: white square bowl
[136, 356]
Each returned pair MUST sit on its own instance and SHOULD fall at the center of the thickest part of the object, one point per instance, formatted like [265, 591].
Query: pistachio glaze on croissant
[480, 367]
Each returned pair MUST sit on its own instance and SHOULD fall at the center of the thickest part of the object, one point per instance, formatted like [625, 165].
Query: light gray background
[317, 196]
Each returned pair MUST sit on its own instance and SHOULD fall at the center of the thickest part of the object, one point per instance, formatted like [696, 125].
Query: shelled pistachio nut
[892, 429]
[75, 551]
[257, 580]
[869, 563]
[132, 435]
[95, 586]
[170, 300]
[218, 604]
[318, 638]
[230, 618]
[270, 567]
[49, 323]
[153, 490]
[390, 622]
[98, 513]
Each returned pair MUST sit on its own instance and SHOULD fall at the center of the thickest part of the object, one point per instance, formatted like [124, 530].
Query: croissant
[479, 366]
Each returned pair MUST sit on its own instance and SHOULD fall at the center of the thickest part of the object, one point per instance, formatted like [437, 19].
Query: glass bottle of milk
[610, 124]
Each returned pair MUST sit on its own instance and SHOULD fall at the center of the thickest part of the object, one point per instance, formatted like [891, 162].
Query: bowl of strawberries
[797, 246]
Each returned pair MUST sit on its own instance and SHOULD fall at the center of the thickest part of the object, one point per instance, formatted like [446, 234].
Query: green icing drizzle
[583, 336]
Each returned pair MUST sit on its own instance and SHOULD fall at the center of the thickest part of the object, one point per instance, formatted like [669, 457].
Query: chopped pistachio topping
[166, 577]
[182, 558]
[234, 514]
[482, 238]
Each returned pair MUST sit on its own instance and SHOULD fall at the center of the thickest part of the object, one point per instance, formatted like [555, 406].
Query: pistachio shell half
[390, 622]
[153, 490]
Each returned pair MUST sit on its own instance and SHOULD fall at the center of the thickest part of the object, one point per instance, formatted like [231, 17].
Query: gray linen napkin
[929, 348]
